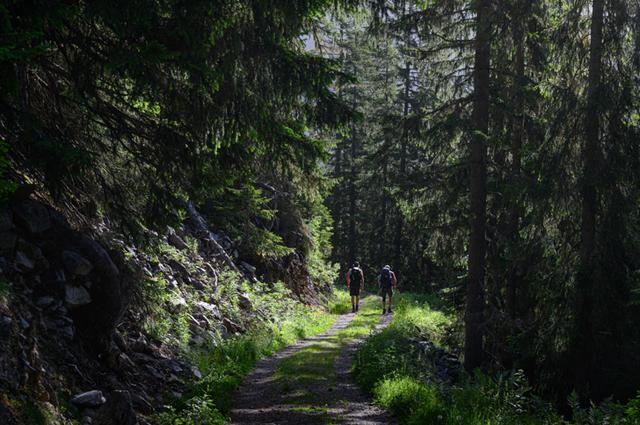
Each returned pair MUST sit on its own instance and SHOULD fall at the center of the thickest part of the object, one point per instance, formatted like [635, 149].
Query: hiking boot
[357, 307]
[389, 310]
[384, 311]
[353, 309]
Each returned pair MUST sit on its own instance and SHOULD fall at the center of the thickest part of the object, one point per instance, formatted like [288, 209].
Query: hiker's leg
[357, 302]
[390, 296]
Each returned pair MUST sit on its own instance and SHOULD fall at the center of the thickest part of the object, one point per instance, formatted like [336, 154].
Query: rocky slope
[94, 329]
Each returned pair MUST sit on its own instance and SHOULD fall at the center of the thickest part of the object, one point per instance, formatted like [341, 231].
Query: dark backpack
[385, 278]
[355, 275]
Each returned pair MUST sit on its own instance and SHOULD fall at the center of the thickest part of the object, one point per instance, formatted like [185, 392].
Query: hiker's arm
[395, 280]
[348, 279]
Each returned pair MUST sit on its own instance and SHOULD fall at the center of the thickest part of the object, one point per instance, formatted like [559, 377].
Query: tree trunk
[590, 153]
[474, 314]
[352, 199]
[517, 133]
[403, 164]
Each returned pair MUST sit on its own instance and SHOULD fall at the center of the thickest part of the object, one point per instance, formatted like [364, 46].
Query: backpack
[355, 276]
[385, 278]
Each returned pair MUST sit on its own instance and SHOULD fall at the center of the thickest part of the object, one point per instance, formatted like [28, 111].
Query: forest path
[310, 382]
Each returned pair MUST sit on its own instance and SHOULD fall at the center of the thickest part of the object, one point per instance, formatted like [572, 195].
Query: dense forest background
[487, 150]
[520, 118]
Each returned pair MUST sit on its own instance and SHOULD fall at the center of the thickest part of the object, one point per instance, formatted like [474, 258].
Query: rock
[88, 413]
[154, 372]
[76, 264]
[120, 341]
[24, 324]
[197, 340]
[178, 302]
[93, 398]
[100, 258]
[68, 333]
[76, 296]
[178, 267]
[209, 308]
[224, 331]
[230, 325]
[176, 240]
[140, 345]
[23, 263]
[60, 277]
[125, 361]
[141, 404]
[118, 410]
[44, 302]
[248, 267]
[196, 284]
[4, 265]
[245, 301]
[174, 366]
[196, 372]
[33, 216]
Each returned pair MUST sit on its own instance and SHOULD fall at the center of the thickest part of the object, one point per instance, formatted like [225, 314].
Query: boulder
[45, 301]
[32, 216]
[24, 264]
[176, 240]
[76, 264]
[93, 398]
[76, 296]
[29, 257]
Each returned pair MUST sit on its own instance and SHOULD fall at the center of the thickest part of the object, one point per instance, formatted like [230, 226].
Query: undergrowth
[389, 368]
[225, 363]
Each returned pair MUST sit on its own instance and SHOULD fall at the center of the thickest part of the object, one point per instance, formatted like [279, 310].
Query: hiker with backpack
[355, 283]
[387, 281]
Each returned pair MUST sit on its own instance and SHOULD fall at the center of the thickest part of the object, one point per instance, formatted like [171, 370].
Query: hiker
[355, 283]
[387, 281]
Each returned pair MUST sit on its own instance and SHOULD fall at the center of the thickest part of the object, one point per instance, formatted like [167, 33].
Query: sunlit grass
[224, 366]
[316, 361]
[389, 368]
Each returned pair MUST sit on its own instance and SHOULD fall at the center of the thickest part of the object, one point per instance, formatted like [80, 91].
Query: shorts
[384, 291]
[354, 290]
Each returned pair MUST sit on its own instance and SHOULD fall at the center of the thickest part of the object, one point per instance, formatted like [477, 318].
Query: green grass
[225, 365]
[316, 362]
[389, 368]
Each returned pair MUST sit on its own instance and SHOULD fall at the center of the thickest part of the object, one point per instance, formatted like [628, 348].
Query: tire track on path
[264, 399]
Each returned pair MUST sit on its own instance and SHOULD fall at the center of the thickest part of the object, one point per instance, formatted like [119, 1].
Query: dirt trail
[265, 399]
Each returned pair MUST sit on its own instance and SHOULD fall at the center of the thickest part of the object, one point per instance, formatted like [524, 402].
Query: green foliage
[224, 363]
[5, 291]
[199, 411]
[409, 400]
[339, 302]
[182, 102]
[388, 366]
[322, 271]
[165, 319]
